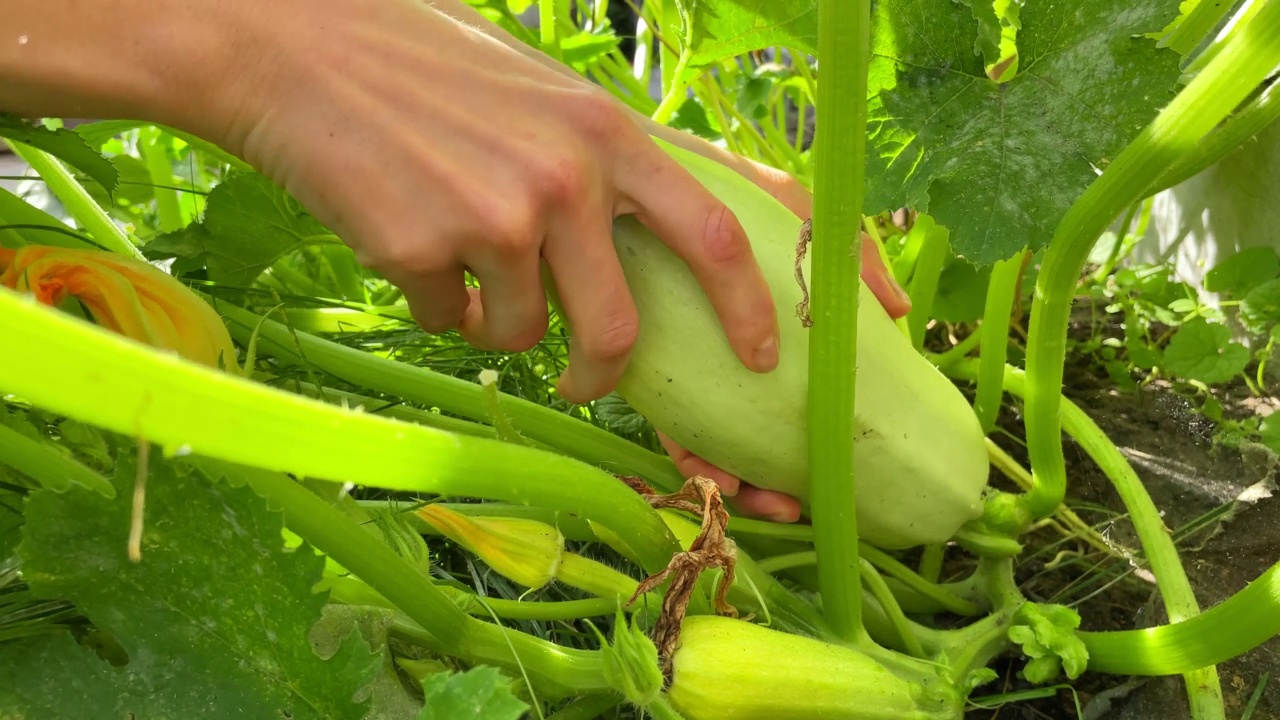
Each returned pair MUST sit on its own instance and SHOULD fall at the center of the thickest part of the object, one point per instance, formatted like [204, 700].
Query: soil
[1190, 478]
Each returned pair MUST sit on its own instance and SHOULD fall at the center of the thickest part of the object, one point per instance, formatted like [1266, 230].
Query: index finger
[707, 236]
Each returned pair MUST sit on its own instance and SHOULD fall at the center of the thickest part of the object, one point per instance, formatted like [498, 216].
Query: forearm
[140, 59]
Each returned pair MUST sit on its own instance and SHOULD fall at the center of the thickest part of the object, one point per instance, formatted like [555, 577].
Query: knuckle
[404, 258]
[506, 224]
[615, 339]
[560, 178]
[723, 239]
[597, 115]
[525, 337]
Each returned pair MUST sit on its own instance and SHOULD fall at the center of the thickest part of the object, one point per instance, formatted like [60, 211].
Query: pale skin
[433, 143]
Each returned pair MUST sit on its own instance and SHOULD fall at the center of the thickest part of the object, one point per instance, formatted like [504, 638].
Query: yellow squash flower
[127, 296]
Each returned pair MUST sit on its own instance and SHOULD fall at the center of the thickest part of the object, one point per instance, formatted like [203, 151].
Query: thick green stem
[589, 707]
[1196, 26]
[1157, 542]
[924, 279]
[1237, 71]
[565, 671]
[77, 200]
[839, 187]
[1226, 139]
[156, 158]
[550, 41]
[1228, 630]
[880, 591]
[354, 548]
[353, 591]
[69, 366]
[43, 463]
[454, 395]
[675, 95]
[995, 339]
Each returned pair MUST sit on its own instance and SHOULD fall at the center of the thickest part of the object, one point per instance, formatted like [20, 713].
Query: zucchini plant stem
[923, 286]
[1226, 139]
[995, 339]
[557, 670]
[1196, 26]
[844, 29]
[1192, 115]
[1228, 630]
[1157, 543]
[86, 372]
[422, 386]
[1225, 82]
[77, 200]
[156, 159]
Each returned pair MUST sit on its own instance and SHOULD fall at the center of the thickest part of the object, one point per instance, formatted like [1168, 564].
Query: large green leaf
[214, 619]
[999, 164]
[249, 223]
[481, 693]
[726, 28]
[63, 144]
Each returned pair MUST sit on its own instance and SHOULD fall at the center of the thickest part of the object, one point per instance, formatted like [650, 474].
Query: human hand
[447, 150]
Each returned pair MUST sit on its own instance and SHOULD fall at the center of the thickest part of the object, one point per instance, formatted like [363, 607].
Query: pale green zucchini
[728, 669]
[921, 464]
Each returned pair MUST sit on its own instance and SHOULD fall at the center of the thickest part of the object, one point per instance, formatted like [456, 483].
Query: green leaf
[98, 133]
[583, 48]
[481, 693]
[37, 227]
[1269, 432]
[1141, 352]
[1204, 351]
[1047, 635]
[249, 223]
[214, 619]
[988, 41]
[10, 522]
[962, 292]
[692, 117]
[63, 144]
[1244, 271]
[620, 417]
[728, 28]
[1261, 307]
[999, 164]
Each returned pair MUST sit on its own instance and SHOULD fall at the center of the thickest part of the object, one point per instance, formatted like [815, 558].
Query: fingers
[704, 233]
[597, 304]
[691, 465]
[881, 281]
[509, 311]
[437, 300]
[748, 500]
[767, 504]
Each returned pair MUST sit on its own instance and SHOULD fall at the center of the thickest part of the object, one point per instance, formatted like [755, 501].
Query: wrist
[138, 59]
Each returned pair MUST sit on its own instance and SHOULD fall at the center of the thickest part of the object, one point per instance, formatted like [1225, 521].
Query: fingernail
[899, 291]
[766, 356]
[783, 516]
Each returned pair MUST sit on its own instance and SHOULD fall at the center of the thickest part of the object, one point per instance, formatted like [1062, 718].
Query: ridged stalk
[77, 200]
[454, 395]
[1225, 82]
[68, 366]
[995, 339]
[839, 187]
[1157, 543]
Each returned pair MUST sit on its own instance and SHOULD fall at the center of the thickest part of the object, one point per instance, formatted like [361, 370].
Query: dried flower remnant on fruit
[126, 296]
[802, 248]
[711, 548]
